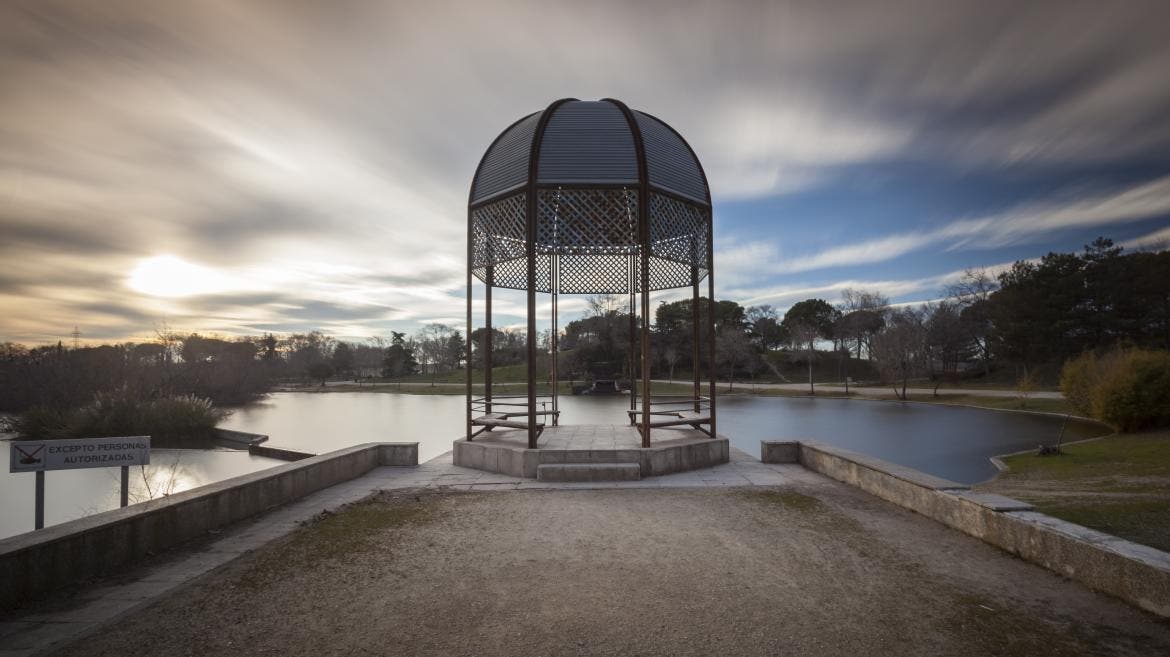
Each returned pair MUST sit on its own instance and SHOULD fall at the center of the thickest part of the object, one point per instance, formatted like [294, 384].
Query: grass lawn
[1007, 402]
[1119, 484]
[1001, 403]
[416, 387]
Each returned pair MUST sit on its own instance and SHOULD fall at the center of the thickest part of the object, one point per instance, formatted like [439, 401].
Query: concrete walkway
[806, 567]
[59, 622]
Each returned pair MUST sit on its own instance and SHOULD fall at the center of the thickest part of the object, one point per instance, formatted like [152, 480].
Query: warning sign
[34, 455]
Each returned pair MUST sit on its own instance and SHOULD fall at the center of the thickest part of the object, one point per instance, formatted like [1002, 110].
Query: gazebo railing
[485, 405]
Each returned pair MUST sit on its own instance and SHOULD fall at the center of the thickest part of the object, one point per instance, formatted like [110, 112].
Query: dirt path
[811, 570]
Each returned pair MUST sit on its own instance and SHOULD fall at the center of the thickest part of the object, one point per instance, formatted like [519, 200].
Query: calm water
[954, 443]
[949, 442]
[71, 494]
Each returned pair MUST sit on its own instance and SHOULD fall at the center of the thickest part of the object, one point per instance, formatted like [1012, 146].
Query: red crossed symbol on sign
[29, 456]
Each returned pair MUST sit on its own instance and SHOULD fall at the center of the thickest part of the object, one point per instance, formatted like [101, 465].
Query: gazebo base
[611, 449]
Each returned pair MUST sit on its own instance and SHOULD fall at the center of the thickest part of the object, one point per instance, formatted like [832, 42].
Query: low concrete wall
[653, 461]
[239, 438]
[779, 451]
[397, 453]
[273, 452]
[668, 459]
[1135, 573]
[38, 562]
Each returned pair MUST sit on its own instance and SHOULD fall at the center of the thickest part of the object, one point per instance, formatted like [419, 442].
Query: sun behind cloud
[171, 276]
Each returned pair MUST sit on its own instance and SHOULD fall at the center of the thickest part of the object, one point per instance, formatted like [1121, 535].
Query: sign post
[41, 455]
[39, 512]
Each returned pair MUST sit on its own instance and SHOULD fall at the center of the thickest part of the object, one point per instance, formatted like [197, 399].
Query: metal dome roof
[589, 143]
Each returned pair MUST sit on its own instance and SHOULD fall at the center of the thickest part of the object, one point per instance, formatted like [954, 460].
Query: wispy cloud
[1021, 225]
[1157, 240]
[766, 143]
[919, 290]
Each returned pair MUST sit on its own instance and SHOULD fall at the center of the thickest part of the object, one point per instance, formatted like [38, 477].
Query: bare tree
[602, 305]
[948, 340]
[670, 356]
[862, 317]
[900, 349]
[733, 349]
[971, 295]
[434, 343]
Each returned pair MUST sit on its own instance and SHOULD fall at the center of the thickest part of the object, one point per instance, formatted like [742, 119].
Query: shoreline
[458, 389]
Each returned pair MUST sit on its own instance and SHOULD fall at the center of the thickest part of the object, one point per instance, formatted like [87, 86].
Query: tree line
[226, 371]
[1035, 315]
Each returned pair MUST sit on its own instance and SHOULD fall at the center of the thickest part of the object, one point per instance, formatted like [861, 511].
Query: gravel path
[809, 569]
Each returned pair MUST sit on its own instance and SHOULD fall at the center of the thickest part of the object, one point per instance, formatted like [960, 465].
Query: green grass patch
[1145, 521]
[1111, 458]
[1119, 484]
[1007, 402]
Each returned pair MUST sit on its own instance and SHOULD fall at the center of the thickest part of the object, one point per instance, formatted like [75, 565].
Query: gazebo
[590, 197]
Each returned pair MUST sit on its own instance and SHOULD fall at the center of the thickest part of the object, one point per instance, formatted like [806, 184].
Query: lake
[947, 441]
[950, 442]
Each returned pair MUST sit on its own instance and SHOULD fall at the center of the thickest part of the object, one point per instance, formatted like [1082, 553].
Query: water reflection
[71, 494]
[949, 442]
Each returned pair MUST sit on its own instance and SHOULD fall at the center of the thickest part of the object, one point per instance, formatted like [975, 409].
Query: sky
[249, 167]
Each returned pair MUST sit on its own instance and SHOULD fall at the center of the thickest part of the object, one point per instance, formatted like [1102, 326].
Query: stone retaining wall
[38, 562]
[653, 461]
[239, 438]
[1135, 573]
[274, 452]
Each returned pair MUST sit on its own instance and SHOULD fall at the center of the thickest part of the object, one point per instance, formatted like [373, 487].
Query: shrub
[1127, 388]
[168, 420]
[1078, 379]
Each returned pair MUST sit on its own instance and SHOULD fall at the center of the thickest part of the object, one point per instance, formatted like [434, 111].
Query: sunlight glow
[170, 276]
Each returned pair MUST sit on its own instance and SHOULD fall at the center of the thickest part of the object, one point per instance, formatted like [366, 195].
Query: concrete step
[588, 472]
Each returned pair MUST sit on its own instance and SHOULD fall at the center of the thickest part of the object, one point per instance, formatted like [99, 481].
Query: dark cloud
[287, 306]
[22, 281]
[233, 233]
[129, 313]
[88, 239]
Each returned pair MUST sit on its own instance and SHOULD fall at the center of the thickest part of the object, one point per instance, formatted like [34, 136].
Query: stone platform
[605, 452]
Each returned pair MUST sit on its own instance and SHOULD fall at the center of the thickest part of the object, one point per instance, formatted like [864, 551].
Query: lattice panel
[498, 232]
[513, 274]
[678, 231]
[587, 221]
[594, 274]
[667, 274]
[594, 231]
